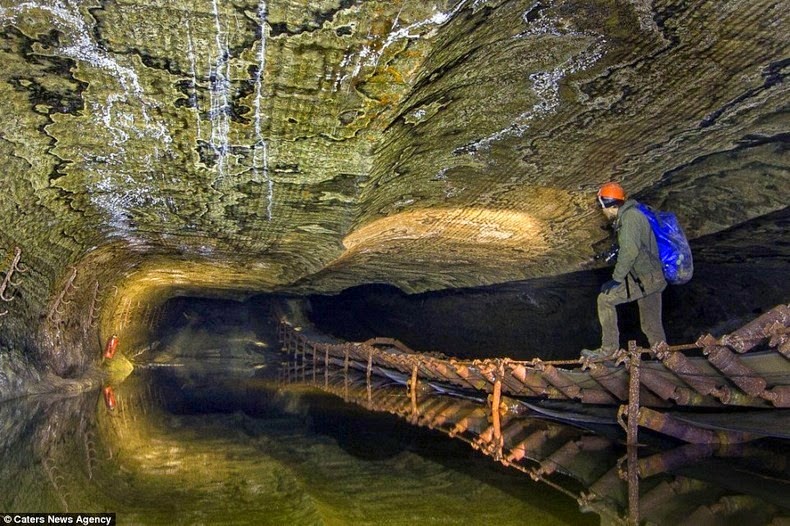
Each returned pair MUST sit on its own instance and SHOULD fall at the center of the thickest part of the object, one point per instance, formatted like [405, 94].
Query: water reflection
[579, 452]
[202, 434]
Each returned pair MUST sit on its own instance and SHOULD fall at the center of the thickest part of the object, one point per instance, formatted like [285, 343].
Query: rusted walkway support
[634, 359]
[496, 398]
[412, 389]
[367, 376]
[751, 334]
[746, 378]
[665, 424]
[717, 377]
[315, 361]
[633, 485]
[326, 366]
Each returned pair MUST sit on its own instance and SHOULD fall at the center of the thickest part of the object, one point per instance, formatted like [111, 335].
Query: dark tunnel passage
[551, 318]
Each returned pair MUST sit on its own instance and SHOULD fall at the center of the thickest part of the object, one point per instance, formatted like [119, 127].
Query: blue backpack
[673, 247]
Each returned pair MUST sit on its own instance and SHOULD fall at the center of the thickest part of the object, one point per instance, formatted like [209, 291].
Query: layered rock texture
[156, 148]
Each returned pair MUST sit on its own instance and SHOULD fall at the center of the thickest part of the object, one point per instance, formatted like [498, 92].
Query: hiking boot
[597, 353]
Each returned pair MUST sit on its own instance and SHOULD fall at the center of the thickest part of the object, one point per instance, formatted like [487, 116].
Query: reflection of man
[637, 275]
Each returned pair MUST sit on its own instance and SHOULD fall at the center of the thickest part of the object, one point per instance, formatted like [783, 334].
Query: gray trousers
[649, 303]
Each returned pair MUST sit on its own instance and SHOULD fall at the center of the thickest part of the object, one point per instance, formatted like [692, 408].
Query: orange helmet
[611, 194]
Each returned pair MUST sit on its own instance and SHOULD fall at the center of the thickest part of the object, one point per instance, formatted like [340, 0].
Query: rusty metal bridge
[517, 412]
[747, 369]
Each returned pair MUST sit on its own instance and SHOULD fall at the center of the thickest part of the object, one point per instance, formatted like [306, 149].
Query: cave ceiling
[311, 146]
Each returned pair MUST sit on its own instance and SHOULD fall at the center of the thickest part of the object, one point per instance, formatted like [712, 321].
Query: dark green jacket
[638, 253]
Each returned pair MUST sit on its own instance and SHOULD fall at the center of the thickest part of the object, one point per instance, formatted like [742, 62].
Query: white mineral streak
[66, 18]
[219, 77]
[261, 148]
[120, 136]
[369, 56]
[412, 32]
[117, 199]
[545, 85]
[114, 195]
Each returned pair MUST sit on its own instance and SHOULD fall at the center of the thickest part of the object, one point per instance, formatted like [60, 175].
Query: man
[637, 275]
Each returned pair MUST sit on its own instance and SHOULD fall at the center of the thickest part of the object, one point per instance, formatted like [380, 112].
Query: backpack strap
[637, 281]
[627, 288]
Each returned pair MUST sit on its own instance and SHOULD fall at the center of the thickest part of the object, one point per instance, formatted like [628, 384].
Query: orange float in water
[109, 398]
[111, 347]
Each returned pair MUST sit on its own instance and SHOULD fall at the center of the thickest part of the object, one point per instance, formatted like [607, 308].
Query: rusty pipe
[675, 458]
[531, 379]
[614, 383]
[531, 444]
[779, 396]
[665, 424]
[735, 370]
[751, 334]
[564, 385]
[679, 364]
[561, 459]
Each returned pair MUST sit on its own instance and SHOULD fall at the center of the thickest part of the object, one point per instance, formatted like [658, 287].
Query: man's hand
[609, 286]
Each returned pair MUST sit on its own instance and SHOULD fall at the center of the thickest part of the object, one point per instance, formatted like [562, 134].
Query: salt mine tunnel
[334, 262]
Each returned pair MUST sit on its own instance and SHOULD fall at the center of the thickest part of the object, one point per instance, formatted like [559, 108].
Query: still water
[202, 435]
[205, 432]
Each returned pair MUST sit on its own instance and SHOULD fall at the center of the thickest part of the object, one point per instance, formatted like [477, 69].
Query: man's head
[611, 197]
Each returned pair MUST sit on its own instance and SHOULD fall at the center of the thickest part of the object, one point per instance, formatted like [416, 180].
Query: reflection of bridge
[459, 397]
[747, 369]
